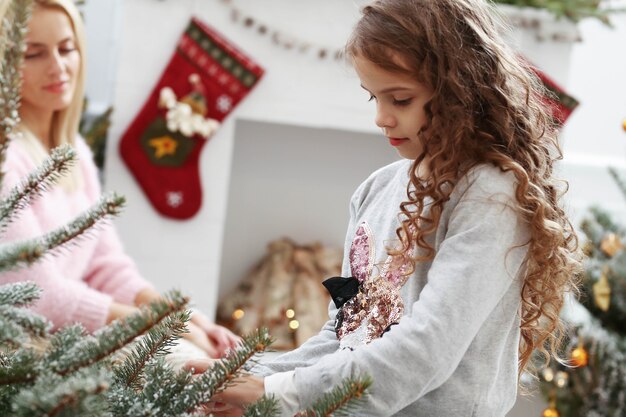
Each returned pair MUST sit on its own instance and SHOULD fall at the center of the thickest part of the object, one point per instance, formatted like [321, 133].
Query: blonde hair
[65, 123]
[487, 108]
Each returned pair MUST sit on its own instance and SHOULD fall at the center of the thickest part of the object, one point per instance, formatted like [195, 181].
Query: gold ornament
[624, 125]
[550, 412]
[602, 292]
[611, 244]
[580, 357]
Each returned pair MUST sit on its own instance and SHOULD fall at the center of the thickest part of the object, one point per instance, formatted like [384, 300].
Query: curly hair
[487, 107]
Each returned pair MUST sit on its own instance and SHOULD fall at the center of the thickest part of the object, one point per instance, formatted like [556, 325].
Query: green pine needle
[155, 343]
[118, 334]
[54, 167]
[12, 46]
[340, 401]
[54, 395]
[263, 407]
[15, 255]
[19, 294]
[221, 374]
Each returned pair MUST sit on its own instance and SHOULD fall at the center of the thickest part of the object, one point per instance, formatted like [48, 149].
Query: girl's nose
[384, 119]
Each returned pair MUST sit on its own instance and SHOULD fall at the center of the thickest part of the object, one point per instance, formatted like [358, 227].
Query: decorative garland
[280, 39]
[523, 18]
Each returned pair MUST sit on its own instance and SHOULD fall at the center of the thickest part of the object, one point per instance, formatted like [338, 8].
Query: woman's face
[51, 61]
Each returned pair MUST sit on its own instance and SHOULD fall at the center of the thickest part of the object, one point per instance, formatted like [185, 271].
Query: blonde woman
[94, 282]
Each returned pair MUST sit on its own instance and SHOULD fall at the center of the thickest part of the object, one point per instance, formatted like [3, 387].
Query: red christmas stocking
[203, 82]
[560, 103]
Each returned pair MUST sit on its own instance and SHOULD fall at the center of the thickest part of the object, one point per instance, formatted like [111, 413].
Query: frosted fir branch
[157, 342]
[54, 395]
[12, 46]
[221, 374]
[25, 253]
[55, 166]
[19, 294]
[19, 367]
[70, 349]
[341, 400]
[120, 333]
[31, 324]
[266, 406]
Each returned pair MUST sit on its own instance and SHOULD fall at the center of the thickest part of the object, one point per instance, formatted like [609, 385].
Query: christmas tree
[120, 369]
[592, 383]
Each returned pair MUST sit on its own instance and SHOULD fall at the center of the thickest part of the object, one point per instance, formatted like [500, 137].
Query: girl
[459, 255]
[94, 282]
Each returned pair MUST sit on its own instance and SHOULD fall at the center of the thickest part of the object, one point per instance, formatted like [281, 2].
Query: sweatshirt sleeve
[474, 267]
[63, 301]
[110, 270]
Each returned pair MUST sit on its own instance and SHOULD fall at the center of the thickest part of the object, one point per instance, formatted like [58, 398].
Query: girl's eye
[65, 51]
[32, 55]
[371, 98]
[404, 102]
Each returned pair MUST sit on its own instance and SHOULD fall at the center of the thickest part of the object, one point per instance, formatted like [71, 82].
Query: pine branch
[19, 294]
[55, 166]
[30, 324]
[263, 407]
[120, 333]
[220, 375]
[340, 400]
[14, 27]
[156, 343]
[14, 255]
[54, 395]
[20, 367]
[85, 351]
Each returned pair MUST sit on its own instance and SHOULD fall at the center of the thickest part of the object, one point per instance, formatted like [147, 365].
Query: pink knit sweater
[81, 280]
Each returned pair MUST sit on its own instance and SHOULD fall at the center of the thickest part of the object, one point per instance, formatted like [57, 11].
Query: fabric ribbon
[342, 289]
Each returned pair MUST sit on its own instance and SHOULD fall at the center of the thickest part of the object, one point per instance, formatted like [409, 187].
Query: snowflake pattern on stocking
[174, 198]
[224, 103]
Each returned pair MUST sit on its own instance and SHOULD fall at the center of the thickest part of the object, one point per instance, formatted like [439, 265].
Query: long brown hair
[486, 108]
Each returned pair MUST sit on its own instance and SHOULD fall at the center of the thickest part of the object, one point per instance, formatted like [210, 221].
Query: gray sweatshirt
[454, 349]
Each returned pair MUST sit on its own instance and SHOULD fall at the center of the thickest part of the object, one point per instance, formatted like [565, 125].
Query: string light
[238, 314]
[290, 313]
[294, 324]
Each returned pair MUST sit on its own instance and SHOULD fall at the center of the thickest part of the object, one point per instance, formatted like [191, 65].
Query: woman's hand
[222, 339]
[234, 399]
[213, 339]
[119, 311]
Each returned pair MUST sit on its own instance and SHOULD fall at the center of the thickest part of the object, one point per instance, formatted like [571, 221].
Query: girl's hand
[221, 338]
[244, 391]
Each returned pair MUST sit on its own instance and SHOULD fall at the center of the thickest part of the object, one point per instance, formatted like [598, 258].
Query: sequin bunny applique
[378, 304]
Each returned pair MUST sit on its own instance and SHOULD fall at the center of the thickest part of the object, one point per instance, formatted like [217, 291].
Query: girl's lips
[397, 141]
[56, 87]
